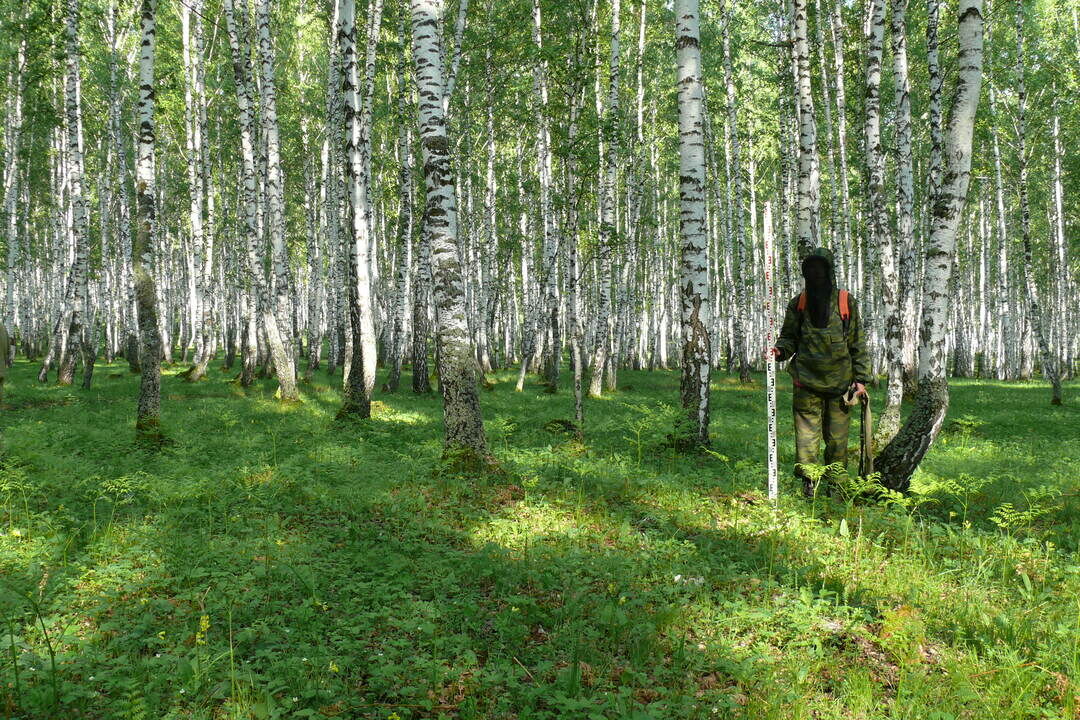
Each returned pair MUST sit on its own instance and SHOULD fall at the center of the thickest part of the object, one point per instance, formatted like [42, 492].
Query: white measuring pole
[770, 361]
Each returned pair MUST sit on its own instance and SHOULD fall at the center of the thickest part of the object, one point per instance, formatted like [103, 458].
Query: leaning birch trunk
[694, 277]
[905, 193]
[457, 364]
[607, 212]
[148, 421]
[277, 331]
[1049, 362]
[899, 459]
[877, 226]
[809, 170]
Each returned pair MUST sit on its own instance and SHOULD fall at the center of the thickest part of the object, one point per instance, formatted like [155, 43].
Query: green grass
[270, 562]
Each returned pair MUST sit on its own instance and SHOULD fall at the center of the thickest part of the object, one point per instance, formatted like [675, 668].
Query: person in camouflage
[828, 358]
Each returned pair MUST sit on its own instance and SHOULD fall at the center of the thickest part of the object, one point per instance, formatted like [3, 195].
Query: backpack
[845, 311]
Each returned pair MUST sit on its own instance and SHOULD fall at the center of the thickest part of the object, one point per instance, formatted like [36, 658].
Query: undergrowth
[269, 562]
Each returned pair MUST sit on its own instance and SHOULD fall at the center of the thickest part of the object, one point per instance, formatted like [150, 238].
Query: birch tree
[457, 365]
[837, 29]
[277, 332]
[405, 218]
[906, 450]
[195, 137]
[608, 178]
[809, 194]
[67, 332]
[360, 374]
[694, 277]
[13, 129]
[905, 191]
[880, 235]
[739, 271]
[147, 419]
[283, 365]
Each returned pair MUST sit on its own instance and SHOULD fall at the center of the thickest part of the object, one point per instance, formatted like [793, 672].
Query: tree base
[148, 434]
[898, 460]
[353, 411]
[461, 461]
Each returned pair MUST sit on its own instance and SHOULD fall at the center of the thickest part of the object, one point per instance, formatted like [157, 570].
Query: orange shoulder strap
[845, 312]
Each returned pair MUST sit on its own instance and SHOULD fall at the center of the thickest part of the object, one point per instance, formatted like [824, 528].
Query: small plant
[501, 429]
[903, 634]
[1039, 500]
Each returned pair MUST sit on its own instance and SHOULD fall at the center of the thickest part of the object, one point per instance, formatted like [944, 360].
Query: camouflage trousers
[820, 417]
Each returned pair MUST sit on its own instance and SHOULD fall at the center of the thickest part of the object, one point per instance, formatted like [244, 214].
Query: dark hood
[818, 293]
[825, 255]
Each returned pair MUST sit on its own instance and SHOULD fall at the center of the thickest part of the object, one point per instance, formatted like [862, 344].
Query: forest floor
[271, 562]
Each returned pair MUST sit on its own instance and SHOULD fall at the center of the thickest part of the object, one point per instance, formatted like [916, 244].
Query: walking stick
[866, 432]
[770, 361]
[866, 450]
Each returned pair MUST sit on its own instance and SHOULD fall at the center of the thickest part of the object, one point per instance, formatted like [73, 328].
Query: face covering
[818, 292]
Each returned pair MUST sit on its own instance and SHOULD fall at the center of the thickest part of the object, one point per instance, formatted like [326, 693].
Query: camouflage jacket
[826, 360]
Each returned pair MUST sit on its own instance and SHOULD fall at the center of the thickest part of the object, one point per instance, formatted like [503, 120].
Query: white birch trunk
[68, 329]
[259, 301]
[147, 423]
[837, 27]
[457, 364]
[13, 129]
[695, 307]
[880, 235]
[1062, 306]
[195, 111]
[1006, 361]
[808, 229]
[737, 212]
[905, 193]
[405, 220]
[278, 333]
[900, 458]
[609, 170]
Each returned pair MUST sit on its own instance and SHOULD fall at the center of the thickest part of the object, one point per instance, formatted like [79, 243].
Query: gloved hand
[855, 393]
[777, 353]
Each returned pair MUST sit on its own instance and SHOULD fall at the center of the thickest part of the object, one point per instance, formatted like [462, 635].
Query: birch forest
[457, 315]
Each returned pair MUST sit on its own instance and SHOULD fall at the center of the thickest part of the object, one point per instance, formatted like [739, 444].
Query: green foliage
[272, 563]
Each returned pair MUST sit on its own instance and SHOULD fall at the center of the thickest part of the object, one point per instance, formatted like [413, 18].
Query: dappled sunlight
[328, 555]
